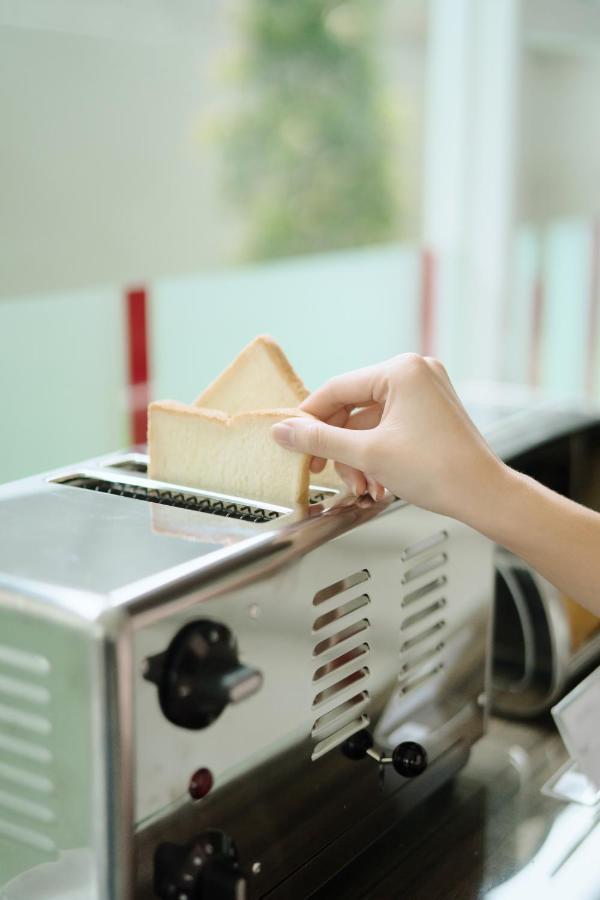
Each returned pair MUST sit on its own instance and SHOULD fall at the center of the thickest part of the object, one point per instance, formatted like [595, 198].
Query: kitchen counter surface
[489, 834]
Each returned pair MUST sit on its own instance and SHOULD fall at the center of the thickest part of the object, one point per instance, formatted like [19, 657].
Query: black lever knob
[200, 674]
[357, 745]
[409, 759]
[205, 869]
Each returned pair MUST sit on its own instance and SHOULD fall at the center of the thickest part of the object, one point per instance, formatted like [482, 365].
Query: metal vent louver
[341, 651]
[27, 812]
[423, 603]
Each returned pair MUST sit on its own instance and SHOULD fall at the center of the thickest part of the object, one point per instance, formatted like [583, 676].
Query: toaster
[543, 640]
[205, 696]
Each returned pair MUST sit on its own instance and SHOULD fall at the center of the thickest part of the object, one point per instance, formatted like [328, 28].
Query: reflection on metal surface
[566, 864]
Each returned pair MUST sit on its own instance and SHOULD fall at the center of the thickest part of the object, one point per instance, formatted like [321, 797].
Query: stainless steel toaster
[203, 696]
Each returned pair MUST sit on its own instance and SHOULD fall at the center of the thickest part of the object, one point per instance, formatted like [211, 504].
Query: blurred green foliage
[307, 155]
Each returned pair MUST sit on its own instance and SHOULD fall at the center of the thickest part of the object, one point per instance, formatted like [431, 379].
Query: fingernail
[283, 434]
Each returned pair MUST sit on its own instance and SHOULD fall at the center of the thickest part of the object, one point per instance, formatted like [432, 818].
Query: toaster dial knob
[409, 759]
[205, 869]
[200, 674]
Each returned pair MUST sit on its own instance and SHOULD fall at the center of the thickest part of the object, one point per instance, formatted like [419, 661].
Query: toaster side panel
[52, 826]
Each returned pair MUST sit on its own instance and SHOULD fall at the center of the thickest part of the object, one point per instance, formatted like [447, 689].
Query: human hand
[398, 425]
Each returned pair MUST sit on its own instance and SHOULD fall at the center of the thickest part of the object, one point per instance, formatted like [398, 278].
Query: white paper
[578, 719]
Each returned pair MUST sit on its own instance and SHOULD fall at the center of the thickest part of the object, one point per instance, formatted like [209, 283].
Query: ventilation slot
[340, 686]
[422, 657]
[26, 761]
[324, 746]
[332, 722]
[339, 587]
[423, 546]
[420, 639]
[428, 588]
[341, 612]
[341, 637]
[422, 636]
[341, 662]
[342, 668]
[422, 614]
[422, 568]
[411, 684]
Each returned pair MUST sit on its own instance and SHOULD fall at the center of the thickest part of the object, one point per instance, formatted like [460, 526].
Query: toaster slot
[138, 463]
[173, 496]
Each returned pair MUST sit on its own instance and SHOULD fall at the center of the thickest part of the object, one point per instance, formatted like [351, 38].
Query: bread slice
[260, 377]
[235, 455]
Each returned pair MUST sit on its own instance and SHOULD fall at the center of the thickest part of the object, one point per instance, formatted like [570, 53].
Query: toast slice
[260, 377]
[235, 455]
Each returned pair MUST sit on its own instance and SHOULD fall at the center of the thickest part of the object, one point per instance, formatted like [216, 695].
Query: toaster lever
[408, 758]
[200, 674]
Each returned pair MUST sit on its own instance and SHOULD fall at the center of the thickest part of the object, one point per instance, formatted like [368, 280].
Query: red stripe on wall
[593, 311]
[137, 342]
[427, 317]
[537, 315]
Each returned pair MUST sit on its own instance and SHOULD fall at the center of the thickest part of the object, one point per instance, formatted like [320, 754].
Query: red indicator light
[200, 784]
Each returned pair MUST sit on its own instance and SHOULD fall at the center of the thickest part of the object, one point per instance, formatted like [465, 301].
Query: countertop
[490, 833]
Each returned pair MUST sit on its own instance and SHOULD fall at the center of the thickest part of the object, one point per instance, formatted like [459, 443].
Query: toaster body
[204, 697]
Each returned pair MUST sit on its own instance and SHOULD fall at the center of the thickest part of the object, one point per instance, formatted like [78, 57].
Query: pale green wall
[568, 269]
[62, 374]
[330, 313]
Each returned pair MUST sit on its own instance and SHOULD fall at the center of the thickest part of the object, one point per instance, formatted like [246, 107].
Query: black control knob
[205, 869]
[200, 674]
[409, 759]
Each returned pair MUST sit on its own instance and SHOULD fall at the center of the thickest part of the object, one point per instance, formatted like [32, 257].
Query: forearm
[558, 537]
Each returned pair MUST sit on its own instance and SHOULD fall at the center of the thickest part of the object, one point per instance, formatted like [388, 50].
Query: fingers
[359, 388]
[355, 479]
[369, 417]
[362, 419]
[339, 419]
[320, 439]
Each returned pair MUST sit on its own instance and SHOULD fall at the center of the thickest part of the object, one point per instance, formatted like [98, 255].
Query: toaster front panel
[243, 701]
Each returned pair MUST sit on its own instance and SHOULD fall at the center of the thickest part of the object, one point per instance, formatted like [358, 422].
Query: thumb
[305, 435]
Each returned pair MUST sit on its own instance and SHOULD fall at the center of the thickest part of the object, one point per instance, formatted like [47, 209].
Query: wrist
[494, 507]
